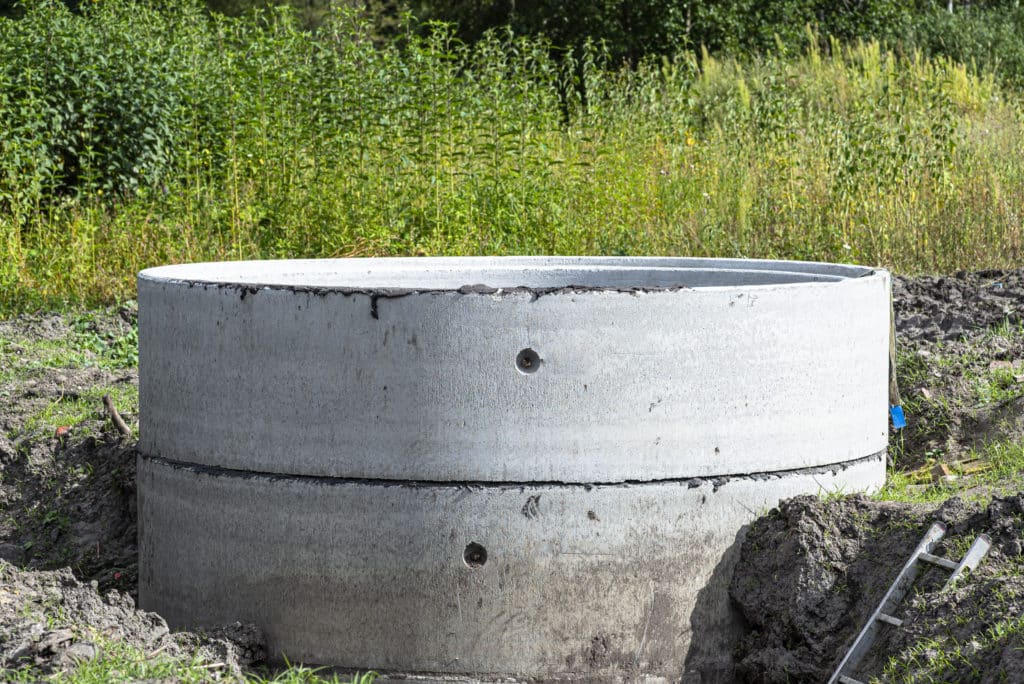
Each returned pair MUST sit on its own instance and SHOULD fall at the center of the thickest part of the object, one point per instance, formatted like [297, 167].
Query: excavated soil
[809, 572]
[963, 305]
[68, 557]
[812, 572]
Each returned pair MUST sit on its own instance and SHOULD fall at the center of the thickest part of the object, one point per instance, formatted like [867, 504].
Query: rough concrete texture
[662, 383]
[534, 467]
[541, 581]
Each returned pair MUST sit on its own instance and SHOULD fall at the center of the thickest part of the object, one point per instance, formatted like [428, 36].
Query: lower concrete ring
[536, 582]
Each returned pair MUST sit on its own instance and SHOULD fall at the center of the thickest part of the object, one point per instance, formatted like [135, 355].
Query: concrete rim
[489, 275]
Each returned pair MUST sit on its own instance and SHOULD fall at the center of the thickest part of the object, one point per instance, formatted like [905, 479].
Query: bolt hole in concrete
[280, 484]
[528, 361]
[475, 555]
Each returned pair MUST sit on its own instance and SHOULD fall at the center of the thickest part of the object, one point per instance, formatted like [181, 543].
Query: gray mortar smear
[689, 482]
[397, 292]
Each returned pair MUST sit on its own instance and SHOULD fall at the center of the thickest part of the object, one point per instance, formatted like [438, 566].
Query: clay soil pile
[813, 571]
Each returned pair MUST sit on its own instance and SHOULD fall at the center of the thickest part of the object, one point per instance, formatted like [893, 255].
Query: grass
[947, 658]
[81, 345]
[67, 411]
[964, 382]
[1005, 477]
[284, 144]
[961, 398]
[118, 662]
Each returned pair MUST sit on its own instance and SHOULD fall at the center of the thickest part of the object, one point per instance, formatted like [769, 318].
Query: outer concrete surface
[602, 583]
[321, 440]
[291, 367]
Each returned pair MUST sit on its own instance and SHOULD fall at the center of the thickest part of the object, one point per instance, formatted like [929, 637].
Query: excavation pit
[528, 468]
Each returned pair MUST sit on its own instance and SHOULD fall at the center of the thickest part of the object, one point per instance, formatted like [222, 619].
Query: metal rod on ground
[119, 423]
[979, 549]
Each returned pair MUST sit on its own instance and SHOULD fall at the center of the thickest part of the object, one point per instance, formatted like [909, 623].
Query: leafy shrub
[91, 103]
[985, 37]
[632, 30]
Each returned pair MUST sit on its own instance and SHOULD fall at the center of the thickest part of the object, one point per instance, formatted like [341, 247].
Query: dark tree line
[982, 32]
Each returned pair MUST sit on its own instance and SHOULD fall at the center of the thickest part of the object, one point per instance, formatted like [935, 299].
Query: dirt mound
[69, 501]
[932, 308]
[812, 571]
[34, 635]
[69, 567]
[69, 564]
[68, 554]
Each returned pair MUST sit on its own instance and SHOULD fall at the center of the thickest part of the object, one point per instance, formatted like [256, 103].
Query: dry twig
[115, 416]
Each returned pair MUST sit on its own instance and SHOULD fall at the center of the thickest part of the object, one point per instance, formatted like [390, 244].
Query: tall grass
[266, 141]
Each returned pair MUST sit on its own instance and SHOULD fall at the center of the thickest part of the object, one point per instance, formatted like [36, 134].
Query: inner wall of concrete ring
[424, 385]
[611, 581]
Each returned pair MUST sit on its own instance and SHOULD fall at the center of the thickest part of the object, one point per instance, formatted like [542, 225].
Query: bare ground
[68, 558]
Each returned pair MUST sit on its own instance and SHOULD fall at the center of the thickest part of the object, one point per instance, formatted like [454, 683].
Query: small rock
[51, 641]
[80, 652]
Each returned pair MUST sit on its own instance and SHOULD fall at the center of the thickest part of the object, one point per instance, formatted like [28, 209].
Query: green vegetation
[138, 134]
[936, 660]
[1005, 477]
[981, 32]
[131, 136]
[99, 339]
[118, 662]
[964, 399]
[947, 658]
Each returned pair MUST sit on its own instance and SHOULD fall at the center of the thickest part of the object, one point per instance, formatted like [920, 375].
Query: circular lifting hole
[528, 361]
[475, 555]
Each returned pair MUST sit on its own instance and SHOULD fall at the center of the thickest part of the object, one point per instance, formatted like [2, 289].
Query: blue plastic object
[899, 421]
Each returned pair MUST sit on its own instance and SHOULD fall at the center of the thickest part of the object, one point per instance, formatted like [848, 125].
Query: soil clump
[958, 306]
[812, 571]
[90, 622]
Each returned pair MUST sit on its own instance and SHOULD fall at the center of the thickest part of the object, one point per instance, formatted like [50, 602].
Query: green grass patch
[118, 662]
[936, 659]
[69, 411]
[40, 365]
[84, 344]
[1004, 477]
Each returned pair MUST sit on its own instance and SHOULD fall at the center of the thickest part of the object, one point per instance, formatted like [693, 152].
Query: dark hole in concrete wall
[475, 555]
